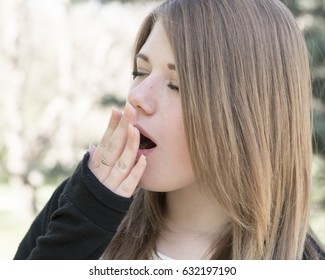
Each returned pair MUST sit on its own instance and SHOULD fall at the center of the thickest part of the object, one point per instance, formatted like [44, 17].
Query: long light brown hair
[244, 81]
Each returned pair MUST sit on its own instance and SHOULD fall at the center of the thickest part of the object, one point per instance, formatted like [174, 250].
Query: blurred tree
[62, 67]
[24, 143]
[310, 15]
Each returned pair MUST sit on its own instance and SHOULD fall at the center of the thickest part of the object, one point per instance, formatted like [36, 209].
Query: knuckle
[110, 146]
[103, 143]
[125, 190]
[121, 166]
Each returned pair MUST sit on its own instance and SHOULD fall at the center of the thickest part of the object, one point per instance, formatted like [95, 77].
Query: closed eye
[173, 87]
[138, 74]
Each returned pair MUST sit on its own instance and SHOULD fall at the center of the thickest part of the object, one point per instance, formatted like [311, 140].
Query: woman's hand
[113, 160]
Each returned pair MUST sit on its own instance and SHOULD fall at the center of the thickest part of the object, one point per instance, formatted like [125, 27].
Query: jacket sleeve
[78, 222]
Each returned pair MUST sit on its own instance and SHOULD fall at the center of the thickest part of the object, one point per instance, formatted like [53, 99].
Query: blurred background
[63, 65]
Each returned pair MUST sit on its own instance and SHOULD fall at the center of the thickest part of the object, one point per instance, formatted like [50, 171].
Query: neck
[192, 210]
[192, 220]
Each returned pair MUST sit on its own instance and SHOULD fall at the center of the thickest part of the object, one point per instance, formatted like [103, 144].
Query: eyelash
[137, 74]
[173, 87]
[140, 74]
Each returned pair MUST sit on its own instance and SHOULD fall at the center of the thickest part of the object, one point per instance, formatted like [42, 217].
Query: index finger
[112, 124]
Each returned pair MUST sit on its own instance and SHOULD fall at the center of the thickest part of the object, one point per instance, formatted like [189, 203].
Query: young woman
[211, 157]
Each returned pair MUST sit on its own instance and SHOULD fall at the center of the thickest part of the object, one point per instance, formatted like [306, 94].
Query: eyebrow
[170, 66]
[142, 56]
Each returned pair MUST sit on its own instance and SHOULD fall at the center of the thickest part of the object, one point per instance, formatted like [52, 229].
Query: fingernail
[127, 105]
[91, 147]
[128, 111]
[115, 109]
[143, 160]
[91, 151]
[114, 112]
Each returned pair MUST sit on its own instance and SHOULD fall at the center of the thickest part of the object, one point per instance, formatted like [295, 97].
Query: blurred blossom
[58, 60]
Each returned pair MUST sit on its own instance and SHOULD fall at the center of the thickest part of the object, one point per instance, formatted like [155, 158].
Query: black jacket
[78, 222]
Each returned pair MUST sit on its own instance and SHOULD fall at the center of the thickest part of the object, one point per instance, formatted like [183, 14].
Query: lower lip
[144, 152]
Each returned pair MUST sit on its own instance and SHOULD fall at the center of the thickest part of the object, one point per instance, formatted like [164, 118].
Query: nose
[143, 97]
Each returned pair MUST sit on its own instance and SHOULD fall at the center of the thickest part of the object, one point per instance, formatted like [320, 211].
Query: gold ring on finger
[106, 163]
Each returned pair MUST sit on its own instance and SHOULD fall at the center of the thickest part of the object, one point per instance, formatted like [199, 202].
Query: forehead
[157, 45]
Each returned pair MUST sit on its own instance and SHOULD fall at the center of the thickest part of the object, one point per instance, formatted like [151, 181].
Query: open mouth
[146, 143]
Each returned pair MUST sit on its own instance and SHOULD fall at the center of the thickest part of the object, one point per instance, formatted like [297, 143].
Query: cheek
[179, 146]
[180, 149]
[177, 137]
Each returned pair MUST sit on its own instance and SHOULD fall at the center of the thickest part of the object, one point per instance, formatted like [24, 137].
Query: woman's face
[154, 93]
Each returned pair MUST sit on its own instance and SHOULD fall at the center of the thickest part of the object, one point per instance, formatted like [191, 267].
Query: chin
[151, 188]
[154, 188]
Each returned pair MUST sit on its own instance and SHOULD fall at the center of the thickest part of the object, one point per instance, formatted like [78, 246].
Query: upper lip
[144, 132]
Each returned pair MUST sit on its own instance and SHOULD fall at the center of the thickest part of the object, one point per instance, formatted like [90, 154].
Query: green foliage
[311, 15]
[315, 40]
[109, 100]
[318, 87]
[319, 133]
[57, 174]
